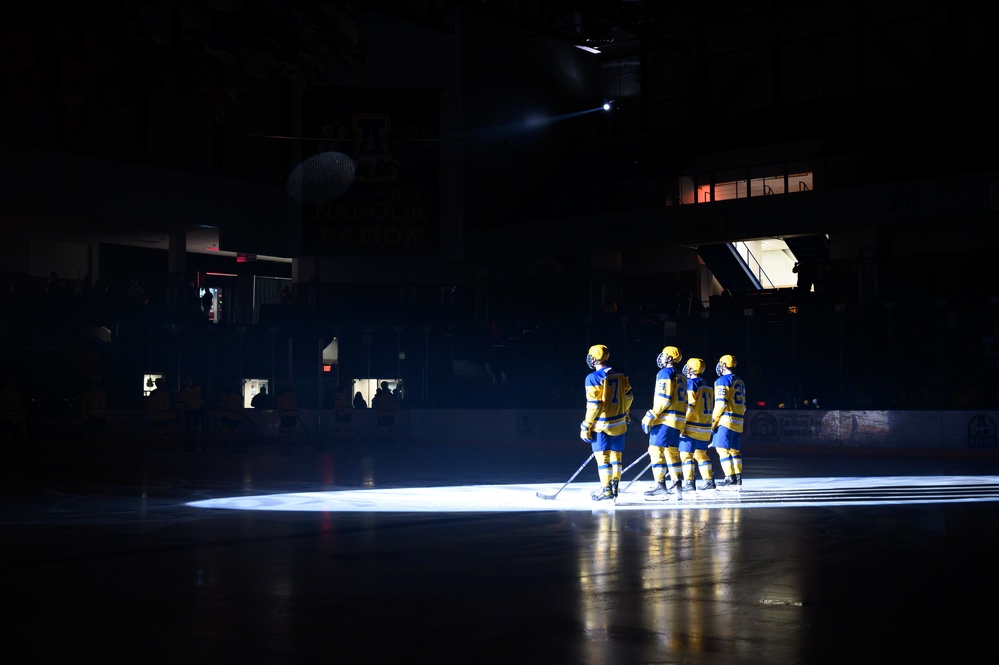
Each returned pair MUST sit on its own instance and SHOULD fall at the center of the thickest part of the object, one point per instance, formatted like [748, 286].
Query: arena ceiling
[616, 29]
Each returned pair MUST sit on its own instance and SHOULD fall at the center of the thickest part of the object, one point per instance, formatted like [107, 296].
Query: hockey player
[608, 405]
[727, 420]
[664, 422]
[696, 434]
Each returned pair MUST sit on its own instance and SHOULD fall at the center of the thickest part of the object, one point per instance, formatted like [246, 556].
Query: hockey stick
[637, 460]
[636, 477]
[552, 496]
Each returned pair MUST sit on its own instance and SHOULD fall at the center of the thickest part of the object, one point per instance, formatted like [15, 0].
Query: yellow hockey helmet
[670, 355]
[694, 367]
[727, 362]
[597, 353]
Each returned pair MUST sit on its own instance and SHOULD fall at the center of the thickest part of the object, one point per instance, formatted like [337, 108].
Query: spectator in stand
[261, 400]
[806, 276]
[385, 405]
[207, 300]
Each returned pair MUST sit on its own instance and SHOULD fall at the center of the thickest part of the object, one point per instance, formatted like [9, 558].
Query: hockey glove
[586, 432]
[647, 421]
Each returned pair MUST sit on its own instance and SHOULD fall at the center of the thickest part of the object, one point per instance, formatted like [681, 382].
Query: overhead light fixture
[588, 49]
[609, 104]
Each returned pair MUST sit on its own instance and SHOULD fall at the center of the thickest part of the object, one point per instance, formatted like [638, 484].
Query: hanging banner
[368, 185]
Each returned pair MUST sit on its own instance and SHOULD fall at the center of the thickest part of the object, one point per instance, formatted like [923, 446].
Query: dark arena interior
[300, 302]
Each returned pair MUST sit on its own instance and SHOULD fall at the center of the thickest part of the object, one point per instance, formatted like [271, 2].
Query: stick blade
[547, 497]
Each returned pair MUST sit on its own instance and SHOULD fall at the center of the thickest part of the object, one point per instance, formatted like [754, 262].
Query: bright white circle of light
[756, 493]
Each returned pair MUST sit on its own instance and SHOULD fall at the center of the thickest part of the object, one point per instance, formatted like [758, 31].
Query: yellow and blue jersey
[730, 402]
[669, 403]
[700, 405]
[608, 401]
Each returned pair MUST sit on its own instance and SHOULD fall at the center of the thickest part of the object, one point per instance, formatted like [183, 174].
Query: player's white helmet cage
[694, 367]
[669, 355]
[597, 353]
[727, 362]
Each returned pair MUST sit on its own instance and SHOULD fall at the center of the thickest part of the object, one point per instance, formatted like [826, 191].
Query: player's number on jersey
[708, 402]
[739, 394]
[614, 386]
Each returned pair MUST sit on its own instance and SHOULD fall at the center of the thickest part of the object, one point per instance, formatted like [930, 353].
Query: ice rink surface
[388, 551]
[759, 493]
